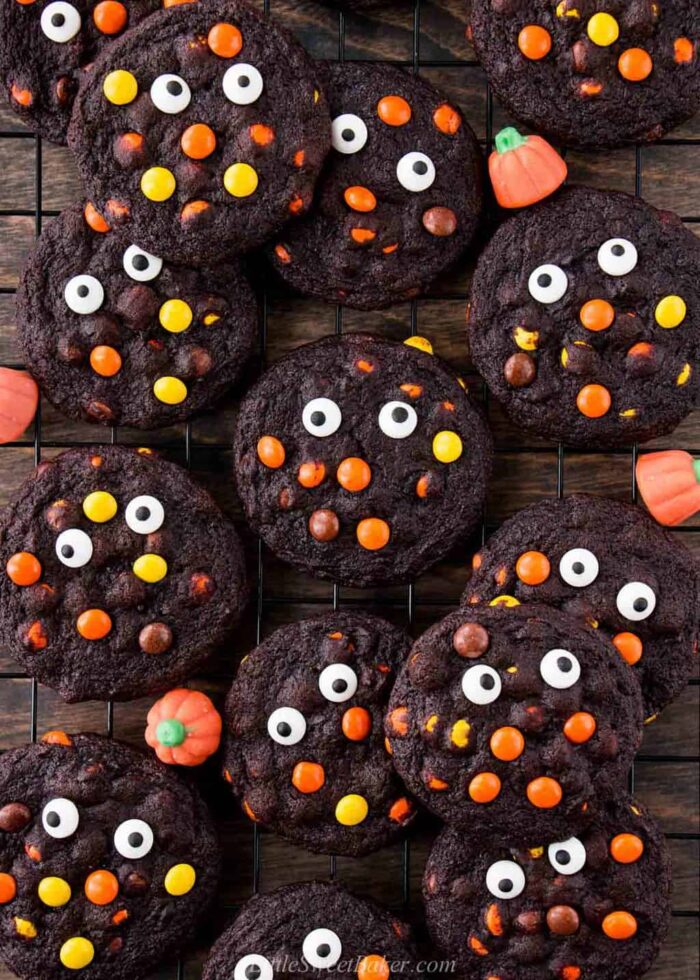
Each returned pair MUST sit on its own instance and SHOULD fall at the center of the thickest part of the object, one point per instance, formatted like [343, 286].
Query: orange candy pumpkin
[669, 483]
[19, 397]
[524, 169]
[183, 727]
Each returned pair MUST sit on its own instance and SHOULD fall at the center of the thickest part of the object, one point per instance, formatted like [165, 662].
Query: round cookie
[316, 928]
[305, 748]
[588, 73]
[399, 198]
[608, 564]
[585, 319]
[361, 460]
[120, 576]
[123, 337]
[596, 906]
[108, 860]
[45, 48]
[508, 723]
[201, 133]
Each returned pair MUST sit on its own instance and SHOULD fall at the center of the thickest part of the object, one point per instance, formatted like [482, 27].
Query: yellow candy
[171, 391]
[180, 879]
[351, 810]
[629, 413]
[511, 670]
[670, 312]
[460, 733]
[684, 375]
[211, 318]
[25, 928]
[100, 506]
[240, 180]
[420, 343]
[536, 852]
[120, 87]
[603, 30]
[562, 10]
[447, 446]
[157, 184]
[77, 953]
[54, 892]
[431, 723]
[564, 356]
[505, 600]
[175, 315]
[526, 339]
[150, 568]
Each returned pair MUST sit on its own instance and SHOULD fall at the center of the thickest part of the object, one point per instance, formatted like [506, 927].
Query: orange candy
[485, 787]
[597, 314]
[507, 744]
[23, 568]
[373, 533]
[593, 401]
[360, 199]
[110, 16]
[94, 624]
[308, 777]
[105, 361]
[635, 64]
[363, 235]
[373, 967]
[533, 568]
[194, 208]
[311, 474]
[629, 646]
[619, 925]
[580, 727]
[544, 793]
[570, 973]
[94, 219]
[354, 474]
[683, 50]
[261, 135]
[198, 142]
[271, 452]
[56, 737]
[401, 810]
[357, 724]
[394, 110]
[447, 119]
[8, 888]
[535, 42]
[101, 887]
[225, 40]
[626, 848]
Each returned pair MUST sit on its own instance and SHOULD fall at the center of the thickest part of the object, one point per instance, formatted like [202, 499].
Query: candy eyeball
[636, 601]
[481, 684]
[560, 669]
[84, 294]
[60, 21]
[397, 420]
[415, 171]
[337, 682]
[133, 839]
[321, 417]
[254, 966]
[60, 818]
[144, 514]
[170, 94]
[547, 283]
[505, 879]
[243, 84]
[141, 265]
[567, 857]
[286, 726]
[348, 133]
[617, 257]
[322, 948]
[74, 548]
[579, 567]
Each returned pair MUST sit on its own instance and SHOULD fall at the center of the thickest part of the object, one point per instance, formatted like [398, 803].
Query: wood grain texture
[526, 470]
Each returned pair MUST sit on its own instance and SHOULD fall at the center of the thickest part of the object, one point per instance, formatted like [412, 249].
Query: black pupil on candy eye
[339, 686]
[135, 840]
[58, 20]
[142, 513]
[83, 291]
[487, 682]
[618, 250]
[67, 551]
[506, 885]
[399, 414]
[53, 819]
[252, 972]
[243, 81]
[284, 729]
[175, 88]
[640, 605]
[544, 280]
[420, 167]
[348, 135]
[578, 568]
[563, 857]
[564, 664]
[323, 950]
[140, 263]
[318, 418]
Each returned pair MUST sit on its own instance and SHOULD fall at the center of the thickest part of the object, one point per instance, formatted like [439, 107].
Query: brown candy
[194, 362]
[138, 306]
[202, 587]
[99, 411]
[441, 222]
[69, 351]
[562, 920]
[62, 514]
[324, 525]
[520, 370]
[529, 922]
[155, 638]
[135, 884]
[65, 90]
[14, 816]
[471, 640]
[579, 53]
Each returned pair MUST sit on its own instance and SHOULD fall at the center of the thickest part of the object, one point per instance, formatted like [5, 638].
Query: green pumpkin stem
[171, 733]
[509, 139]
[696, 467]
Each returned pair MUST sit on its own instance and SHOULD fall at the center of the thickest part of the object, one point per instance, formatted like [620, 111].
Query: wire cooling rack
[278, 602]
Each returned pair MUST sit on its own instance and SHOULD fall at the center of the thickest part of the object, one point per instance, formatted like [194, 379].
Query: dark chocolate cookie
[585, 319]
[316, 929]
[108, 860]
[305, 721]
[399, 198]
[596, 906]
[509, 722]
[45, 48]
[361, 460]
[592, 73]
[608, 564]
[201, 133]
[119, 336]
[120, 574]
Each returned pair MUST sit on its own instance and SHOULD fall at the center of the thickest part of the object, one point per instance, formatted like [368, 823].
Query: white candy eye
[547, 283]
[348, 133]
[505, 879]
[321, 417]
[144, 514]
[254, 966]
[397, 420]
[636, 601]
[74, 548]
[243, 84]
[560, 669]
[568, 857]
[481, 684]
[287, 726]
[170, 94]
[415, 171]
[140, 265]
[579, 567]
[84, 294]
[133, 839]
[337, 682]
[60, 21]
[60, 818]
[322, 949]
[617, 257]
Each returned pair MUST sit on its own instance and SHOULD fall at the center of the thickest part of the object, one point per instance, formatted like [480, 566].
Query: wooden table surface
[666, 774]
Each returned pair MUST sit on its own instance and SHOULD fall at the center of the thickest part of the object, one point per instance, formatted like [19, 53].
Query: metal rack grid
[262, 602]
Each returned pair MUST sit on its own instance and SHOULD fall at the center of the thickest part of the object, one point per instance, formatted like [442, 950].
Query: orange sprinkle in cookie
[494, 922]
[22, 96]
[56, 737]
[283, 254]
[477, 946]
[296, 205]
[398, 721]
[394, 110]
[590, 87]
[535, 42]
[262, 135]
[193, 209]
[94, 219]
[533, 568]
[683, 51]
[570, 973]
[363, 236]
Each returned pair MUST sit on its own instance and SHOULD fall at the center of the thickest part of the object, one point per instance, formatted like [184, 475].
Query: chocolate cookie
[108, 860]
[608, 564]
[119, 336]
[585, 319]
[316, 929]
[509, 722]
[361, 460]
[121, 575]
[589, 73]
[596, 906]
[305, 749]
[201, 133]
[45, 48]
[399, 198]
